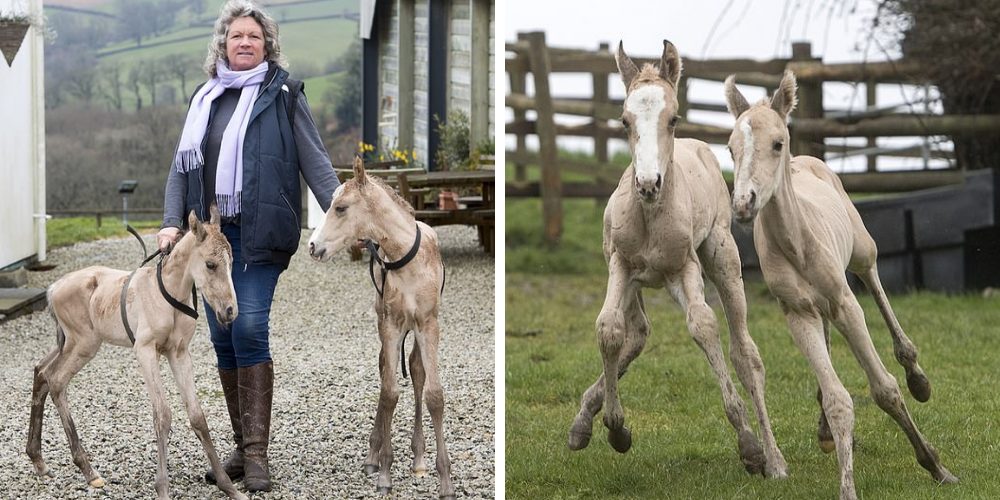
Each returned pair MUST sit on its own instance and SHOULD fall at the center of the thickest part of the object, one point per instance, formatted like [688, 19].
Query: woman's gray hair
[232, 10]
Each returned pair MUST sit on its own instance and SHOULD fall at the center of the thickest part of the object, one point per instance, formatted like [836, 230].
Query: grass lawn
[683, 445]
[69, 230]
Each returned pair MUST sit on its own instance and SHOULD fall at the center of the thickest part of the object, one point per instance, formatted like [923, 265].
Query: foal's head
[356, 211]
[650, 116]
[759, 145]
[211, 266]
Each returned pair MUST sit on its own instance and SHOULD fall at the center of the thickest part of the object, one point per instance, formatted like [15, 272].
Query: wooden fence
[810, 125]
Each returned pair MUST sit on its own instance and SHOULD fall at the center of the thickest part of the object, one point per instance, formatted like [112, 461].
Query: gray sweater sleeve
[174, 195]
[314, 161]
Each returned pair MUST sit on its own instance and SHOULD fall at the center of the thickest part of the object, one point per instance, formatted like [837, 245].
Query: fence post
[682, 98]
[870, 141]
[518, 85]
[810, 103]
[600, 97]
[551, 185]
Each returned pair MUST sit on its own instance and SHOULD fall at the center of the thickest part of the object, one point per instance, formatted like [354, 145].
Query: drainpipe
[38, 98]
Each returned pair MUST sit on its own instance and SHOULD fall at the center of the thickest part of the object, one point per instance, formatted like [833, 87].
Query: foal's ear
[670, 64]
[626, 67]
[196, 226]
[216, 217]
[784, 99]
[735, 101]
[359, 171]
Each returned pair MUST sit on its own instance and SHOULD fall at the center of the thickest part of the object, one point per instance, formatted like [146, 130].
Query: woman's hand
[166, 238]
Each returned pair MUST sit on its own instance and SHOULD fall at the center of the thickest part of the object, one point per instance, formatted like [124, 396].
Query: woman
[242, 149]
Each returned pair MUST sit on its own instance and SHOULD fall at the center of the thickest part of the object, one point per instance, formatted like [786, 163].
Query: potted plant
[453, 152]
[13, 26]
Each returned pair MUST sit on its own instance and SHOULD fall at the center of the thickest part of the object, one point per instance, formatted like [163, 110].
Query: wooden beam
[882, 182]
[479, 118]
[882, 72]
[551, 180]
[900, 125]
[406, 78]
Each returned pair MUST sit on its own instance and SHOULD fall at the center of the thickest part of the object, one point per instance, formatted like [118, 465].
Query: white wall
[22, 145]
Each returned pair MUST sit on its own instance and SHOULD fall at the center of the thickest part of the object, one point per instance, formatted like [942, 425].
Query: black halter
[180, 306]
[385, 267]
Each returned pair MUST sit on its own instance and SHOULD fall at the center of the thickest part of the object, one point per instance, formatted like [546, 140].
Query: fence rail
[810, 124]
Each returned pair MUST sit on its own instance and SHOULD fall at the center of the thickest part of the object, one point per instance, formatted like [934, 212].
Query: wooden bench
[478, 211]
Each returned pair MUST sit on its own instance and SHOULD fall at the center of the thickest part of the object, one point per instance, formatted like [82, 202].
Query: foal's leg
[807, 332]
[370, 465]
[418, 375]
[427, 338]
[687, 289]
[381, 438]
[903, 348]
[39, 392]
[180, 365]
[611, 334]
[884, 388]
[823, 433]
[722, 263]
[148, 359]
[636, 332]
[76, 353]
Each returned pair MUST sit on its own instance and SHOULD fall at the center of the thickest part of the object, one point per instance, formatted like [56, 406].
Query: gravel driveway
[325, 349]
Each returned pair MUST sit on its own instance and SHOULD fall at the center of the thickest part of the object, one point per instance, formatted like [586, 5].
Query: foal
[86, 307]
[407, 298]
[666, 223]
[807, 232]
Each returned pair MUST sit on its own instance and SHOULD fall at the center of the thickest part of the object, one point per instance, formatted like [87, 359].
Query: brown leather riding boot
[256, 383]
[233, 464]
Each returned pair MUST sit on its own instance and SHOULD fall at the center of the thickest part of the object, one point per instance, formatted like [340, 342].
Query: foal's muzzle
[317, 252]
[745, 206]
[648, 188]
[226, 315]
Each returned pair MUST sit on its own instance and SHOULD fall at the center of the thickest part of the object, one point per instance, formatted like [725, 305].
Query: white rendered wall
[22, 145]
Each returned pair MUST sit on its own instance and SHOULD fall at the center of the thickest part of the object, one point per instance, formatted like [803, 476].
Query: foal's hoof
[621, 439]
[97, 483]
[447, 497]
[370, 468]
[419, 471]
[751, 454]
[384, 490]
[578, 440]
[919, 386]
[827, 445]
[945, 477]
[44, 472]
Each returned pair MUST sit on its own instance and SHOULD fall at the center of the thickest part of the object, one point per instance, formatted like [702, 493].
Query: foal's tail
[60, 334]
[903, 348]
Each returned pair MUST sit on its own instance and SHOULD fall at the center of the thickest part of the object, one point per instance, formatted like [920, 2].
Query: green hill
[314, 34]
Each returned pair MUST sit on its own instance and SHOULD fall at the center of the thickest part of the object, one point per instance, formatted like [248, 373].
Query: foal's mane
[649, 73]
[403, 204]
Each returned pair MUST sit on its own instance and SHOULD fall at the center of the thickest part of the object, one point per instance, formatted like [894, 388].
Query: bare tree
[111, 77]
[81, 79]
[180, 66]
[150, 77]
[134, 84]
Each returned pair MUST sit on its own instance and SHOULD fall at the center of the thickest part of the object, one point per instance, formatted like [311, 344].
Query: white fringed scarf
[229, 171]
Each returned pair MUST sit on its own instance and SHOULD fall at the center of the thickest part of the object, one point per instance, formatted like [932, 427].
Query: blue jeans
[245, 342]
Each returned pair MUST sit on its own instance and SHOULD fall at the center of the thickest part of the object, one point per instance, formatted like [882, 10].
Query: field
[311, 38]
[683, 445]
